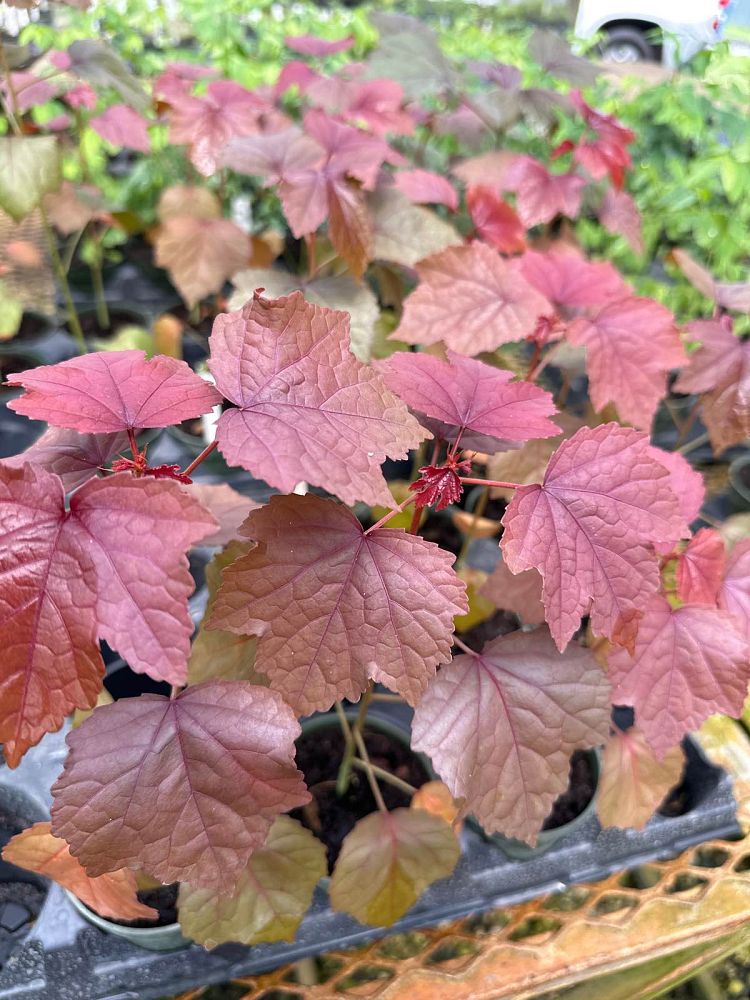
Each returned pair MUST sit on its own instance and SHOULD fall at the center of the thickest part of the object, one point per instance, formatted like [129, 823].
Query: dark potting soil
[117, 319]
[580, 792]
[677, 802]
[501, 623]
[331, 817]
[164, 899]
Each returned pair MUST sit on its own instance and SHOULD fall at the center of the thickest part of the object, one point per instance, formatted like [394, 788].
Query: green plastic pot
[166, 938]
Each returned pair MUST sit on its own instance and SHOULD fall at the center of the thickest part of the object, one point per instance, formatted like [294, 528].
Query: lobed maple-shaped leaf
[112, 895]
[569, 281]
[727, 294]
[426, 187]
[404, 233]
[686, 664]
[302, 590]
[74, 576]
[720, 371]
[306, 409]
[219, 761]
[685, 482]
[540, 195]
[619, 214]
[473, 402]
[472, 300]
[410, 53]
[494, 169]
[495, 220]
[388, 860]
[271, 897]
[113, 391]
[74, 457]
[273, 155]
[633, 782]
[500, 727]
[588, 526]
[122, 126]
[311, 45]
[226, 505]
[631, 346]
[700, 568]
[72, 207]
[517, 592]
[372, 104]
[734, 595]
[527, 464]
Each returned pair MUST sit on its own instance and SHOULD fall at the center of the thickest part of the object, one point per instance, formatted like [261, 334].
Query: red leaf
[700, 568]
[631, 346]
[495, 221]
[490, 169]
[570, 281]
[114, 895]
[619, 214]
[587, 529]
[113, 391]
[517, 592]
[440, 486]
[734, 595]
[687, 665]
[306, 409]
[227, 506]
[424, 187]
[219, 761]
[122, 126]
[540, 195]
[302, 591]
[349, 150]
[349, 226]
[472, 300]
[468, 396]
[733, 295]
[310, 45]
[74, 457]
[74, 576]
[500, 727]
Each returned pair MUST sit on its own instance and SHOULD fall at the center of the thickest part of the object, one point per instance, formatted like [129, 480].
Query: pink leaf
[273, 155]
[80, 96]
[734, 595]
[306, 409]
[226, 505]
[687, 664]
[540, 195]
[472, 300]
[519, 592]
[302, 591]
[495, 220]
[377, 104]
[685, 482]
[122, 126]
[619, 214]
[349, 150]
[587, 530]
[219, 761]
[700, 568]
[29, 90]
[113, 391]
[424, 187]
[468, 396]
[500, 727]
[490, 169]
[729, 295]
[72, 207]
[74, 457]
[570, 281]
[295, 74]
[310, 45]
[631, 346]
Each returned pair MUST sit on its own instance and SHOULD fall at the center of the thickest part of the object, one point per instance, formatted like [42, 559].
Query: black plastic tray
[65, 958]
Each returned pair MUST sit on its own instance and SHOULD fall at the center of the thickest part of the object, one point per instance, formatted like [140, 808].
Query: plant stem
[695, 443]
[469, 481]
[395, 698]
[61, 275]
[685, 429]
[462, 645]
[133, 444]
[102, 312]
[476, 517]
[312, 246]
[391, 513]
[386, 776]
[350, 736]
[203, 455]
[415, 521]
[374, 787]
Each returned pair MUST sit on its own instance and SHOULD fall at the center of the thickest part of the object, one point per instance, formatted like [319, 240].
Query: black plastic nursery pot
[64, 957]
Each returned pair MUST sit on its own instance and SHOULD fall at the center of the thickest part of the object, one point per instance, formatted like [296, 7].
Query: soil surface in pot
[117, 319]
[20, 898]
[580, 792]
[331, 817]
[164, 899]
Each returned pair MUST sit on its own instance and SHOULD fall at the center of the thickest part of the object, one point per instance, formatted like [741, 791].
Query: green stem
[695, 443]
[386, 776]
[102, 312]
[369, 771]
[350, 736]
[59, 269]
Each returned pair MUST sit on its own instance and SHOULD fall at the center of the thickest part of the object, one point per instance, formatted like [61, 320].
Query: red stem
[534, 362]
[133, 444]
[463, 646]
[416, 518]
[391, 514]
[469, 481]
[197, 461]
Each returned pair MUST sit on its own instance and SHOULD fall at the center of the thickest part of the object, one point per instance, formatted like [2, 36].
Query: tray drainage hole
[613, 902]
[362, 976]
[743, 865]
[456, 951]
[642, 877]
[686, 881]
[402, 946]
[319, 969]
[567, 900]
[535, 927]
[486, 923]
[709, 857]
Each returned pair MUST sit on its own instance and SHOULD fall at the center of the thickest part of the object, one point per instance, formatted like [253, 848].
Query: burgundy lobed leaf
[310, 45]
[467, 395]
[631, 346]
[619, 214]
[301, 590]
[472, 300]
[517, 592]
[122, 126]
[273, 155]
[287, 367]
[74, 457]
[540, 195]
[570, 281]
[700, 568]
[495, 220]
[113, 391]
[587, 529]
[500, 727]
[425, 187]
[218, 758]
[734, 594]
[687, 664]
[440, 486]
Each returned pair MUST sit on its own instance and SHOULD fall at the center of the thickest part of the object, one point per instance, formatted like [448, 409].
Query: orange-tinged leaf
[633, 782]
[434, 797]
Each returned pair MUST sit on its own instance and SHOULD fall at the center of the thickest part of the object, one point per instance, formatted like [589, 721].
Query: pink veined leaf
[29, 90]
[301, 590]
[734, 594]
[470, 398]
[495, 220]
[295, 74]
[472, 300]
[587, 529]
[500, 727]
[220, 749]
[631, 346]
[113, 391]
[306, 409]
[378, 105]
[82, 95]
[227, 506]
[700, 568]
[733, 295]
[74, 457]
[633, 781]
[72, 207]
[540, 195]
[720, 371]
[122, 126]
[349, 150]
[273, 155]
[569, 281]
[687, 664]
[517, 592]
[310, 45]
[685, 481]
[423, 187]
[619, 214]
[78, 575]
[490, 169]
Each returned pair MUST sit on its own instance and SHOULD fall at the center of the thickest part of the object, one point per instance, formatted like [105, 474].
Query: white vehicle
[668, 31]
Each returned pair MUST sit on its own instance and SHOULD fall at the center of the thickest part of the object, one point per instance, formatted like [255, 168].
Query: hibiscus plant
[365, 348]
